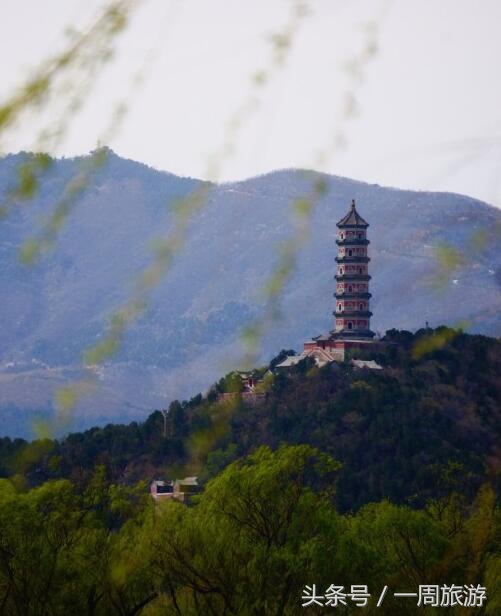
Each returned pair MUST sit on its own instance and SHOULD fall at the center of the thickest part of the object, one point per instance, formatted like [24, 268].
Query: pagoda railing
[349, 314]
[351, 295]
[352, 277]
[352, 242]
[352, 259]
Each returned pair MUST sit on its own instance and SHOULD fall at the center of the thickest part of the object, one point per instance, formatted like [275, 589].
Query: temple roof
[321, 338]
[353, 218]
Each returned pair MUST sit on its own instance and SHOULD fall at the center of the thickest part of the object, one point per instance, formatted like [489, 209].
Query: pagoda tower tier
[352, 311]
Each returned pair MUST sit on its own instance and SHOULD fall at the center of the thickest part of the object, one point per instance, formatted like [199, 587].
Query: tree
[243, 548]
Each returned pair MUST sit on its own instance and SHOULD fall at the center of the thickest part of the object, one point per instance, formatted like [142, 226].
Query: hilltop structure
[351, 313]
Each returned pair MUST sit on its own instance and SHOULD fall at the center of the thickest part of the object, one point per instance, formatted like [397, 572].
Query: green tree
[262, 530]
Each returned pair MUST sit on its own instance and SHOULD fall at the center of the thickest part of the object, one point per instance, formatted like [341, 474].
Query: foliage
[426, 425]
[261, 531]
[59, 549]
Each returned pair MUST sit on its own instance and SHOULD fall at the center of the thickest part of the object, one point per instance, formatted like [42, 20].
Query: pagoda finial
[353, 204]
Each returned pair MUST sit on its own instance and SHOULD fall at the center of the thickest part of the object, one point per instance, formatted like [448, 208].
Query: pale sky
[429, 102]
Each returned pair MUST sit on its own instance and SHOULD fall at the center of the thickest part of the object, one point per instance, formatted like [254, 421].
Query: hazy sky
[429, 101]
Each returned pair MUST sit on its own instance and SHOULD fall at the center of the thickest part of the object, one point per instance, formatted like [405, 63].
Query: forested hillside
[429, 422]
[349, 479]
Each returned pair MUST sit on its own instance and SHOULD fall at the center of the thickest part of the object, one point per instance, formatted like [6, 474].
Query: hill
[190, 334]
[401, 493]
[426, 425]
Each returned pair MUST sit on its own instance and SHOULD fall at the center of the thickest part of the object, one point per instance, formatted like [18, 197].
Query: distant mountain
[190, 333]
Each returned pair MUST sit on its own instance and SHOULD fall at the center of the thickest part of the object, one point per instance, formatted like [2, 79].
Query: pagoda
[352, 314]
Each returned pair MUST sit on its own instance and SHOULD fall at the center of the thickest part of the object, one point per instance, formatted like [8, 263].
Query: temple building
[352, 297]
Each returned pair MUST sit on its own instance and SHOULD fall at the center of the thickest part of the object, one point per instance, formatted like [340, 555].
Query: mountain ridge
[190, 333]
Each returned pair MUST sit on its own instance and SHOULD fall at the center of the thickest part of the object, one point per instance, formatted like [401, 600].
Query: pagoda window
[339, 307]
[360, 270]
[350, 253]
[350, 325]
[361, 306]
[350, 289]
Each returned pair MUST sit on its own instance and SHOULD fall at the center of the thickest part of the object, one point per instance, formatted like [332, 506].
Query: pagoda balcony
[352, 277]
[352, 314]
[352, 259]
[352, 295]
[352, 242]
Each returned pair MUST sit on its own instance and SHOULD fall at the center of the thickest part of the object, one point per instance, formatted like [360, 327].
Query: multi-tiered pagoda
[352, 279]
[352, 314]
